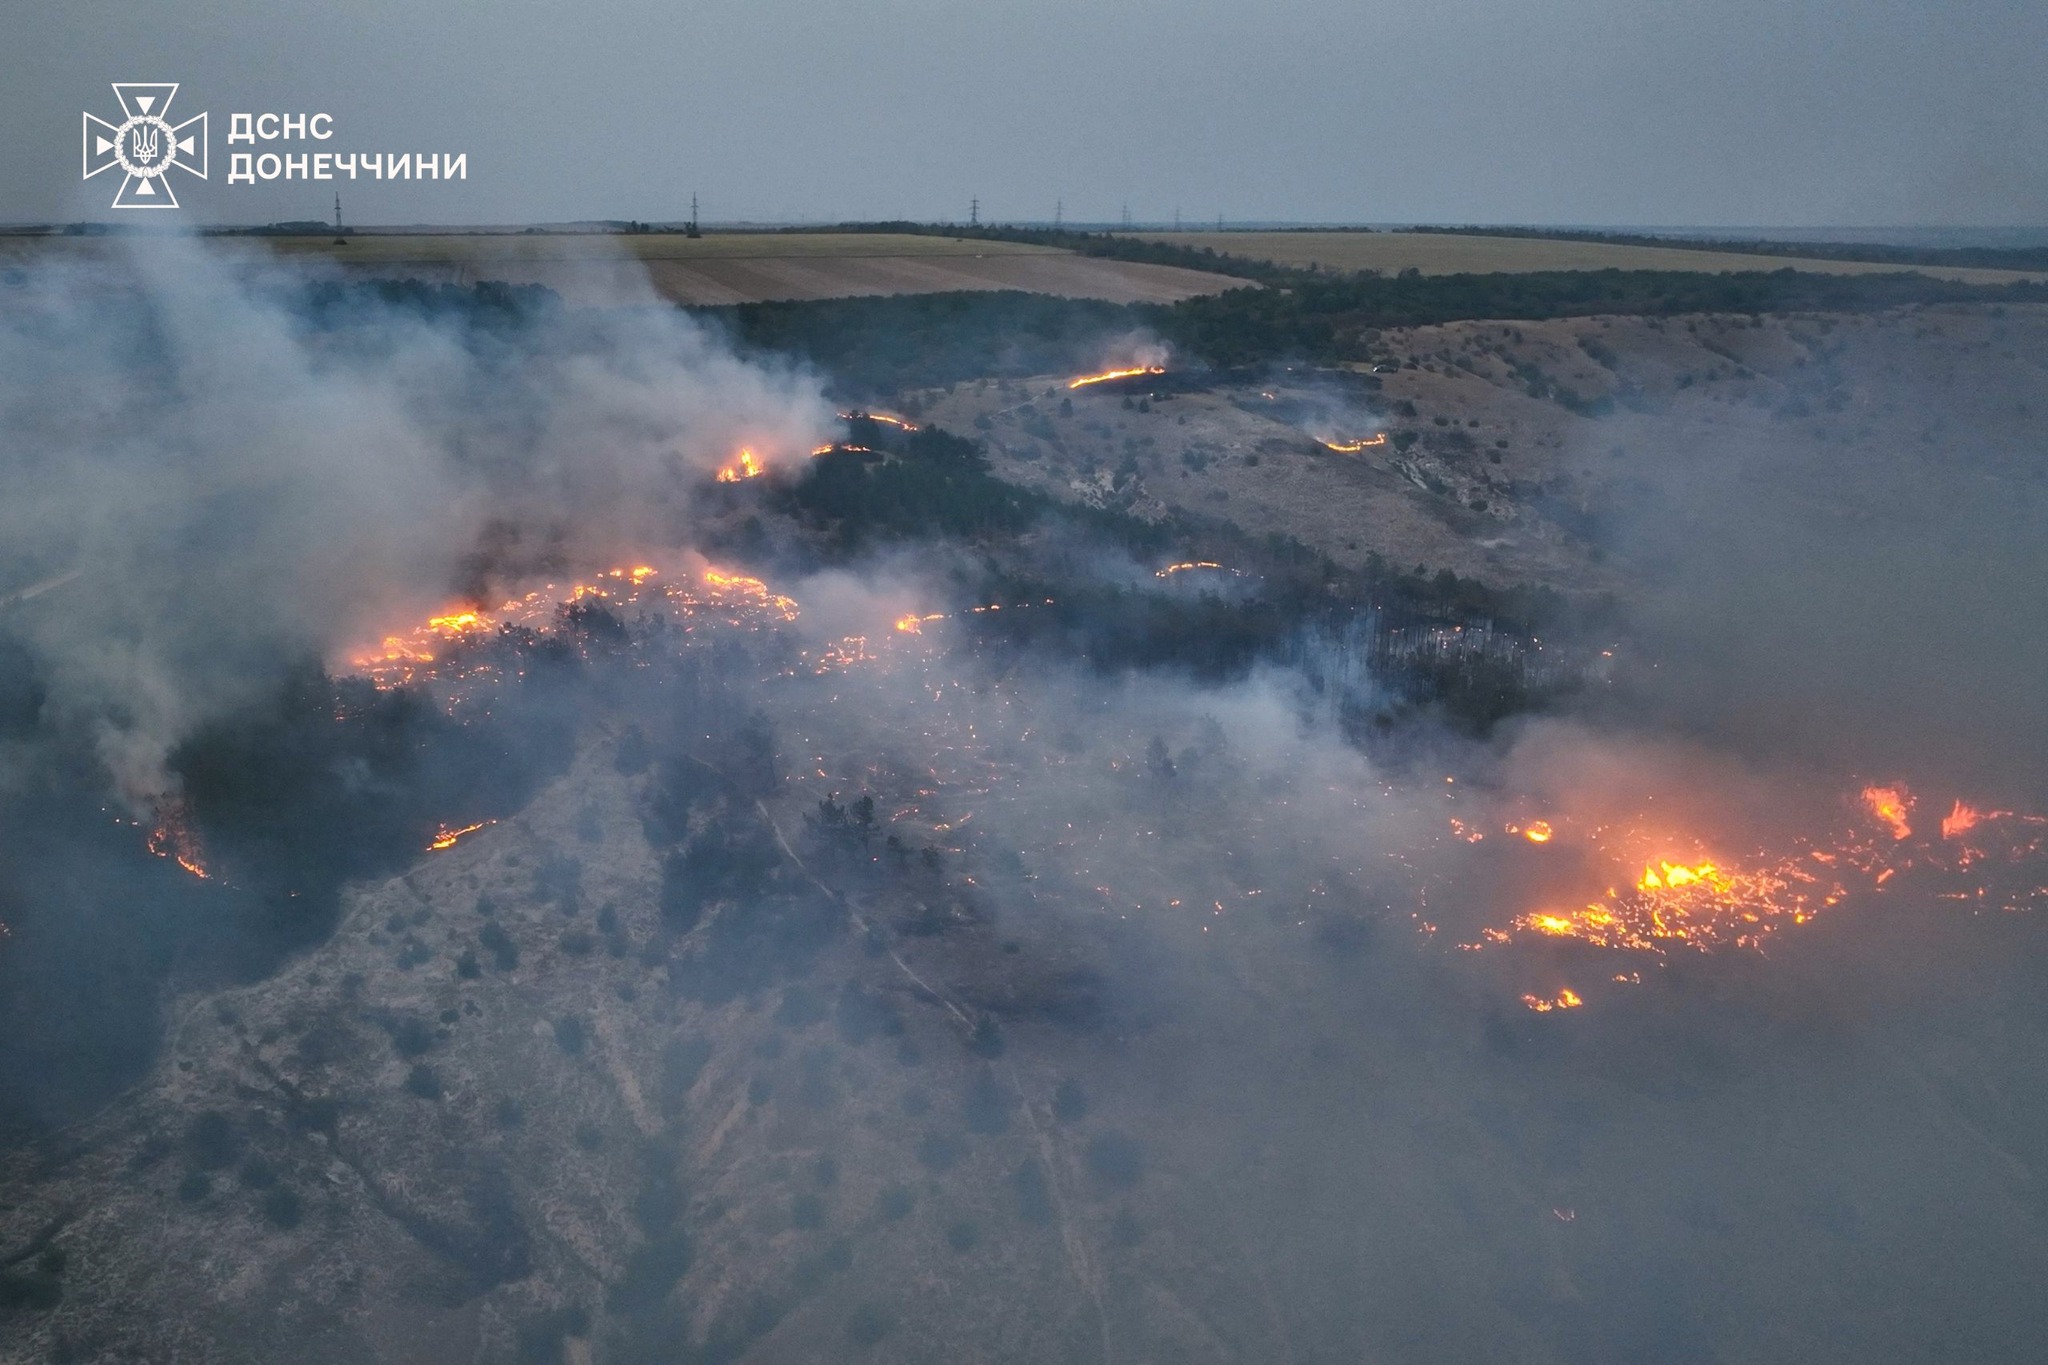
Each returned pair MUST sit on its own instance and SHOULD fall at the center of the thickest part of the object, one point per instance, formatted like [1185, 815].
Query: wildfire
[1677, 874]
[1711, 902]
[886, 419]
[745, 465]
[1172, 569]
[914, 625]
[174, 838]
[1353, 447]
[454, 644]
[1566, 999]
[1132, 373]
[446, 837]
[1890, 805]
[1963, 818]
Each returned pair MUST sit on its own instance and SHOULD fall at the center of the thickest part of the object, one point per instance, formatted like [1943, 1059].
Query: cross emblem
[145, 145]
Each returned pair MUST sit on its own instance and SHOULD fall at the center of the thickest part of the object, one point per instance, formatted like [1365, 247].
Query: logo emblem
[145, 145]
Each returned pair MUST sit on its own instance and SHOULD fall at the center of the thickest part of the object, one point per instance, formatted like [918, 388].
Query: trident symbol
[145, 146]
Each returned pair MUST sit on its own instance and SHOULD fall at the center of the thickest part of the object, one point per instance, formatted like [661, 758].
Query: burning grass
[977, 759]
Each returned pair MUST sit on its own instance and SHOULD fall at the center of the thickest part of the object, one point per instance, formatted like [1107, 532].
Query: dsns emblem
[146, 146]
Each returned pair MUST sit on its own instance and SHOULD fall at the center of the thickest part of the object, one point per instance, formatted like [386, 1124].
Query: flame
[174, 838]
[886, 419]
[456, 623]
[1963, 818]
[456, 643]
[1889, 806]
[1705, 900]
[1132, 373]
[446, 837]
[1353, 447]
[1537, 832]
[745, 465]
[914, 625]
[1172, 569]
[1566, 999]
[1678, 874]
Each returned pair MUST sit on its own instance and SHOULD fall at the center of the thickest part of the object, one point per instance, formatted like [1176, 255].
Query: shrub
[211, 1142]
[283, 1208]
[939, 1151]
[895, 1202]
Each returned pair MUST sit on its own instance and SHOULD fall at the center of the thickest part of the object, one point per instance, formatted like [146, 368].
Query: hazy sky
[1768, 112]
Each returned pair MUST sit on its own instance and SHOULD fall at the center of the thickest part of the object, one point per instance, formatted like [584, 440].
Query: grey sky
[1776, 112]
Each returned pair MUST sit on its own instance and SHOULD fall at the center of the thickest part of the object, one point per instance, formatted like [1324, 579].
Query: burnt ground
[1520, 452]
[916, 1092]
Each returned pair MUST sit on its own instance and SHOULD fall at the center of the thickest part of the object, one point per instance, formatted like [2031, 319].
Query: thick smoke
[225, 482]
[1153, 985]
[1851, 578]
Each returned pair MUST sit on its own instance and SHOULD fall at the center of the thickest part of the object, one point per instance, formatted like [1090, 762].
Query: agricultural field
[1435, 253]
[608, 269]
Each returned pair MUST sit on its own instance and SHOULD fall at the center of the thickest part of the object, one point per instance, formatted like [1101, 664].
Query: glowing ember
[1890, 805]
[1677, 874]
[1353, 447]
[175, 839]
[886, 419]
[1713, 902]
[1566, 999]
[745, 465]
[447, 837]
[1537, 831]
[1962, 819]
[1132, 373]
[456, 645]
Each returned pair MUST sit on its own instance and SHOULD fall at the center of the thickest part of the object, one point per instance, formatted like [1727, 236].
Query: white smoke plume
[234, 489]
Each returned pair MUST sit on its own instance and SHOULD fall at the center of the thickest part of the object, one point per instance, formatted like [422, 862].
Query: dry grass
[605, 269]
[1443, 254]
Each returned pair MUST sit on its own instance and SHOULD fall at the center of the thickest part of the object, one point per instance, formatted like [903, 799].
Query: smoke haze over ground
[226, 491]
[875, 910]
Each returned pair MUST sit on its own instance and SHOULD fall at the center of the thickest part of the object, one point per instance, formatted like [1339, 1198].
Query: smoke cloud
[224, 482]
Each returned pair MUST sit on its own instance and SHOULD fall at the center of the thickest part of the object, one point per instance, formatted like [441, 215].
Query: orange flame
[174, 838]
[1677, 875]
[914, 625]
[1964, 818]
[446, 837]
[745, 465]
[1353, 447]
[1132, 373]
[1566, 999]
[1537, 832]
[886, 419]
[1889, 806]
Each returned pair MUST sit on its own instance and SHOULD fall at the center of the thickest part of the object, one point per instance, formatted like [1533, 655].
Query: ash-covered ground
[869, 908]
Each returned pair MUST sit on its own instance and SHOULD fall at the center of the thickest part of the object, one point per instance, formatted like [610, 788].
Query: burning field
[595, 851]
